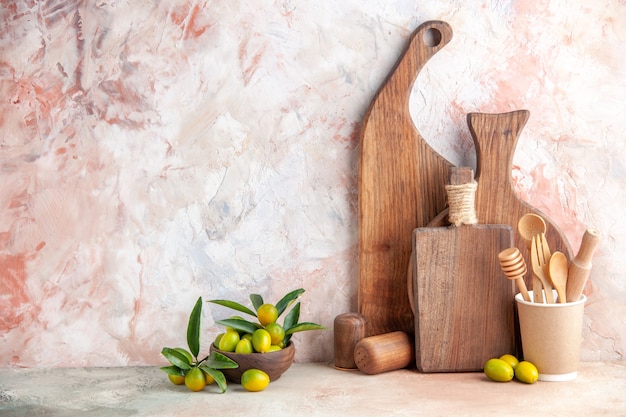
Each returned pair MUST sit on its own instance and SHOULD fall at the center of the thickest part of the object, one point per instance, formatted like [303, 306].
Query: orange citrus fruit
[261, 340]
[510, 359]
[267, 313]
[176, 379]
[498, 370]
[526, 372]
[244, 346]
[276, 331]
[195, 380]
[254, 380]
[229, 341]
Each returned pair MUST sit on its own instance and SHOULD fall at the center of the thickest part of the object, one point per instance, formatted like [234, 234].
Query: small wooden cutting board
[464, 306]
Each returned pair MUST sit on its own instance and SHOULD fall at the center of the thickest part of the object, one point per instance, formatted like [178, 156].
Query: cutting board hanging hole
[432, 37]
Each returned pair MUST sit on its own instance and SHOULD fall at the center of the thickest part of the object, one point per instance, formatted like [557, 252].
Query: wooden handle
[580, 267]
[521, 285]
[418, 52]
[588, 245]
[461, 175]
[495, 138]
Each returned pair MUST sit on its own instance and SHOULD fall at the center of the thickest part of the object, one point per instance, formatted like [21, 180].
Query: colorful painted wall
[154, 152]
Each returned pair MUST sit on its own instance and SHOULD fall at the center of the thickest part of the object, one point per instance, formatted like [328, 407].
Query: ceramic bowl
[272, 363]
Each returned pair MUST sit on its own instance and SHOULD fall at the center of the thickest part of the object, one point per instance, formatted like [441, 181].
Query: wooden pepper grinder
[349, 329]
[580, 266]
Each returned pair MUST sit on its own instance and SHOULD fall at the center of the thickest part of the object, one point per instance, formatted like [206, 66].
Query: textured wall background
[152, 152]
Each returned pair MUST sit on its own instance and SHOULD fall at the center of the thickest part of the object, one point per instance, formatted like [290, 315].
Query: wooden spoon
[514, 267]
[530, 225]
[558, 274]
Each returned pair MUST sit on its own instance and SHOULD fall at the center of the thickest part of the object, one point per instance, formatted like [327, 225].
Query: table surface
[310, 389]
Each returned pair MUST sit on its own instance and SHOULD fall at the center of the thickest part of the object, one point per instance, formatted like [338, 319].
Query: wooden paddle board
[465, 311]
[495, 139]
[401, 187]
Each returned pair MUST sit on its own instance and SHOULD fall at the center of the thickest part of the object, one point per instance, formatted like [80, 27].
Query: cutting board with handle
[465, 311]
[495, 139]
[401, 187]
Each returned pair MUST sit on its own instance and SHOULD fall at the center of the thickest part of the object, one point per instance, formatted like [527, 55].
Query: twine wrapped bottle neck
[462, 203]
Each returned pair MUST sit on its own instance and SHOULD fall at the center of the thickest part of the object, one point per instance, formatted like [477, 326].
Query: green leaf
[176, 358]
[186, 353]
[172, 370]
[193, 328]
[218, 376]
[301, 327]
[257, 301]
[234, 305]
[286, 301]
[291, 319]
[218, 361]
[240, 324]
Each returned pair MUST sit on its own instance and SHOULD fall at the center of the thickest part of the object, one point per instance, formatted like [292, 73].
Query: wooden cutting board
[401, 187]
[495, 138]
[402, 180]
[465, 312]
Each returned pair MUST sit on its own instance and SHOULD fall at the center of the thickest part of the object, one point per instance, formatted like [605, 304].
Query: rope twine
[461, 202]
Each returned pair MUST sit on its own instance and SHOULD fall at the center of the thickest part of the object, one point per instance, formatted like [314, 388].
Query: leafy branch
[183, 360]
[291, 322]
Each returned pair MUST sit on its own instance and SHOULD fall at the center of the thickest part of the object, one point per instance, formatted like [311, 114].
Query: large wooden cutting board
[401, 187]
[465, 313]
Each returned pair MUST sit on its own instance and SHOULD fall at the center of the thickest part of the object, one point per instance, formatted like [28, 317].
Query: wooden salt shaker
[349, 329]
[384, 352]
